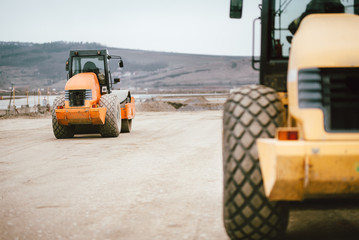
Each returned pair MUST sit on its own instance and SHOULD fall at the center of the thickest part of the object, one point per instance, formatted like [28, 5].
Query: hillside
[29, 65]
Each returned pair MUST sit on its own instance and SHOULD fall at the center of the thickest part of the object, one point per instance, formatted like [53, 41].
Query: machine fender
[122, 94]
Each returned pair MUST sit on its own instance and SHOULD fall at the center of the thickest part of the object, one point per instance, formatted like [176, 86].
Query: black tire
[60, 131]
[126, 125]
[251, 112]
[112, 126]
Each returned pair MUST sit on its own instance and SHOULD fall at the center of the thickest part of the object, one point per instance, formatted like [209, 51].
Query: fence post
[27, 98]
[13, 95]
[39, 97]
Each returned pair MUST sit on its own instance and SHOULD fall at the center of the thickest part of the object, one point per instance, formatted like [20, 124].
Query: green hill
[30, 65]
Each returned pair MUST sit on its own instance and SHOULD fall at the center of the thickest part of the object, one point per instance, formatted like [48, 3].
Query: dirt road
[161, 181]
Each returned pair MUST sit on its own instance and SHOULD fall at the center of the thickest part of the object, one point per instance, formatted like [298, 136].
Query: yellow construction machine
[294, 138]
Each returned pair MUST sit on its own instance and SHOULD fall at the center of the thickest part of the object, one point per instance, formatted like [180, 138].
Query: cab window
[288, 14]
[88, 64]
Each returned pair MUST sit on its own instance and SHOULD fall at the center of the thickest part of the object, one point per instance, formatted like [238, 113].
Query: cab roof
[84, 53]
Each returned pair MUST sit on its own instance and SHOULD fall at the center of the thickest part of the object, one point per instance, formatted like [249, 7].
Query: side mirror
[120, 64]
[236, 9]
[67, 65]
[116, 80]
[289, 39]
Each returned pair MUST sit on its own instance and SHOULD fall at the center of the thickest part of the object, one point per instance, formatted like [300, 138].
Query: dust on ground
[194, 103]
[161, 181]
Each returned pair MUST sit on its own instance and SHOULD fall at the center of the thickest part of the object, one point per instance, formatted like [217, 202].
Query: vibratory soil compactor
[294, 139]
[90, 105]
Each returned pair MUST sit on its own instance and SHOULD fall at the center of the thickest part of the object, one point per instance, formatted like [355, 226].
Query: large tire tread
[250, 113]
[60, 131]
[112, 126]
[126, 125]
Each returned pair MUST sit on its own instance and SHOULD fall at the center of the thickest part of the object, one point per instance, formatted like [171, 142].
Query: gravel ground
[161, 181]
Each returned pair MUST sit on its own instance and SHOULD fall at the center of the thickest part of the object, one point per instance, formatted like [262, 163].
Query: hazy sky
[185, 26]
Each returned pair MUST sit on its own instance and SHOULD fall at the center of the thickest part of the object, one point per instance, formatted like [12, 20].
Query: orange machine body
[90, 112]
[128, 111]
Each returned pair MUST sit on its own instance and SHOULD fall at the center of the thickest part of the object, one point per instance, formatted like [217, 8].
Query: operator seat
[90, 67]
[317, 6]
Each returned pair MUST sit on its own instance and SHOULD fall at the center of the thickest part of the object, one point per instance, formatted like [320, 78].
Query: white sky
[185, 26]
